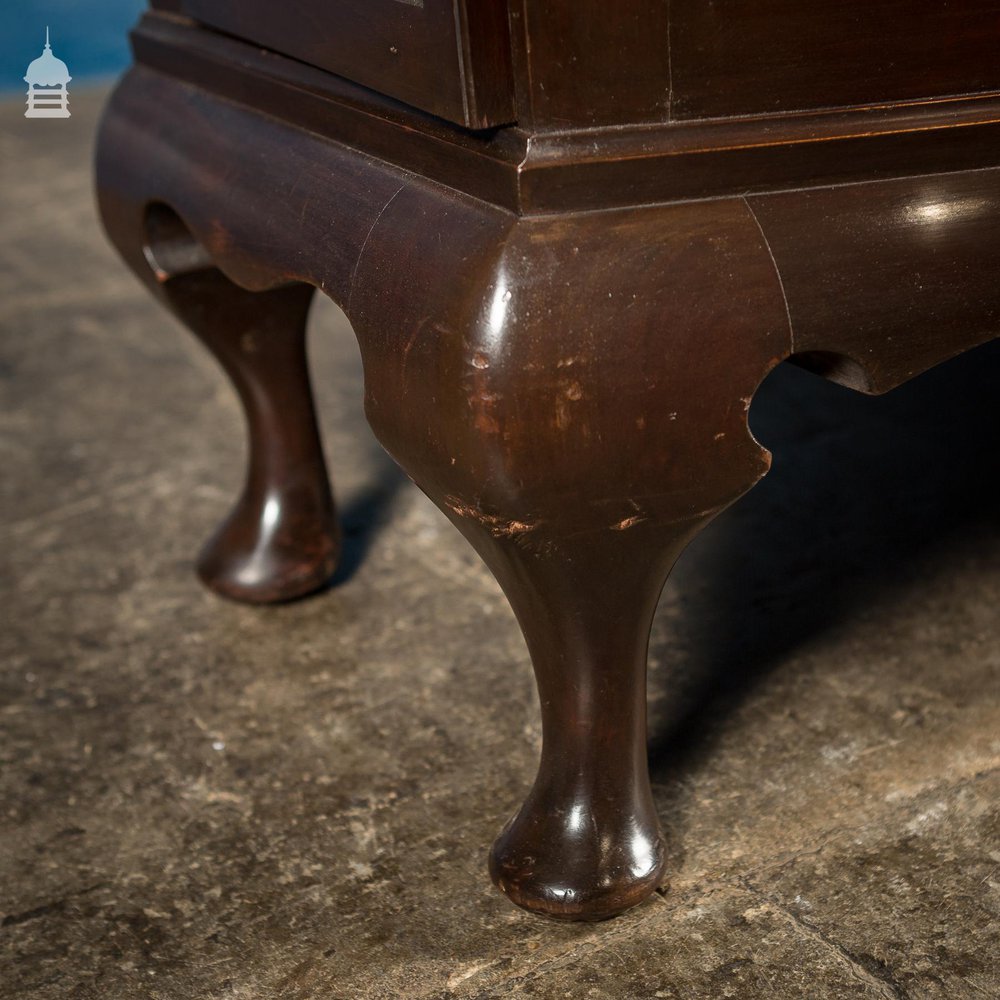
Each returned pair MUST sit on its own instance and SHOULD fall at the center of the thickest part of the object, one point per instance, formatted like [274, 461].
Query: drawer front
[759, 56]
[448, 57]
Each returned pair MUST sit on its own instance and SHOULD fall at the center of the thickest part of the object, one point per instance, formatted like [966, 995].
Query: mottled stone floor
[201, 800]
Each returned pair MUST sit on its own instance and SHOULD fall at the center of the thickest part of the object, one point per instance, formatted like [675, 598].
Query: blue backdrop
[90, 37]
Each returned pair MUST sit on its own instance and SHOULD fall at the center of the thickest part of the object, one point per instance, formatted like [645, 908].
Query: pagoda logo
[46, 78]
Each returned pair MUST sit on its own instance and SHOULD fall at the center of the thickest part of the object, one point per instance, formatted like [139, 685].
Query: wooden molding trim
[544, 171]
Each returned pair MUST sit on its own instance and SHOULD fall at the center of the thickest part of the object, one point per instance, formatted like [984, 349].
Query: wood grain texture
[586, 63]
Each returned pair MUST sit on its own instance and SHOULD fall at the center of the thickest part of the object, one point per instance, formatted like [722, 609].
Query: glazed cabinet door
[448, 57]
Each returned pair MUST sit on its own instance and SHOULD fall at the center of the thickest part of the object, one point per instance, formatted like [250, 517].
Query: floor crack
[865, 968]
[12, 919]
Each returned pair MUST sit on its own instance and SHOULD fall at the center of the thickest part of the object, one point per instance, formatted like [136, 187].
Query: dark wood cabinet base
[571, 388]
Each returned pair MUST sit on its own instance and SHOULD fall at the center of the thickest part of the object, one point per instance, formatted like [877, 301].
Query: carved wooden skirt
[561, 340]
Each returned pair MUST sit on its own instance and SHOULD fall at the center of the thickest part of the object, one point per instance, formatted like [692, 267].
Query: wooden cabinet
[485, 63]
[755, 57]
[448, 57]
[563, 322]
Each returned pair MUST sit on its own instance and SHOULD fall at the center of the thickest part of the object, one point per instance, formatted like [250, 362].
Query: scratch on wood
[499, 527]
[361, 252]
[777, 273]
[670, 66]
[627, 522]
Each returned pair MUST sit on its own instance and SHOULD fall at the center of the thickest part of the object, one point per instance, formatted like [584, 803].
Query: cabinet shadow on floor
[864, 493]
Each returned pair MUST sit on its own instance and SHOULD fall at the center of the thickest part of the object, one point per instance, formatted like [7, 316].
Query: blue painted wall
[90, 36]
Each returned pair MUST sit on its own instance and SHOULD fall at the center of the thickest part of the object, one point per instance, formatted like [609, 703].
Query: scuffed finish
[571, 390]
[570, 400]
[202, 800]
[612, 439]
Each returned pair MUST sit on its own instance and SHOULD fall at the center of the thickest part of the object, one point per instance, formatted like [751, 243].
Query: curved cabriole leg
[583, 570]
[587, 842]
[281, 539]
[570, 389]
[579, 417]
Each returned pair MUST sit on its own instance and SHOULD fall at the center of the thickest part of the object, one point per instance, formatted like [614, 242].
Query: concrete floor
[201, 800]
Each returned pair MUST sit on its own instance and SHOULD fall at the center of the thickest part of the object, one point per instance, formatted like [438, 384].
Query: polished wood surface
[734, 57]
[929, 245]
[282, 538]
[538, 172]
[449, 57]
[569, 386]
[587, 63]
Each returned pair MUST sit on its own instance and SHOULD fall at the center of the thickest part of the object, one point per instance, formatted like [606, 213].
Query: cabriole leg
[571, 390]
[587, 842]
[577, 406]
[281, 539]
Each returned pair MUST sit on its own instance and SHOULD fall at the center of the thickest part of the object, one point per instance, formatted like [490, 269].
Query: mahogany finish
[733, 57]
[282, 538]
[569, 386]
[530, 171]
[590, 63]
[449, 57]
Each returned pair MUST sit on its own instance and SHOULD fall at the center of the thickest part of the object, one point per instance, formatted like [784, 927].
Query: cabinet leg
[586, 843]
[281, 539]
[577, 407]
[571, 389]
